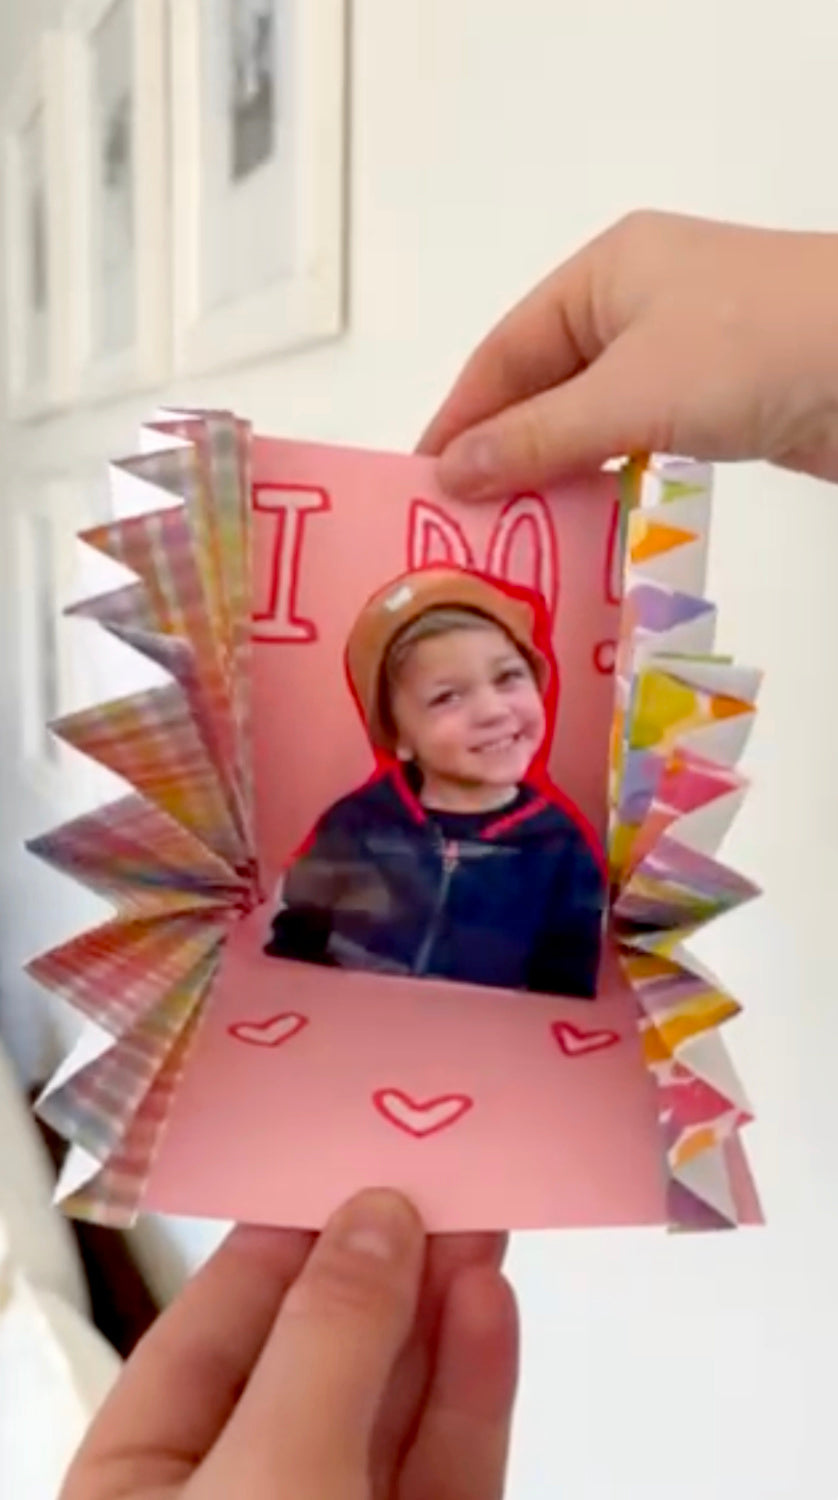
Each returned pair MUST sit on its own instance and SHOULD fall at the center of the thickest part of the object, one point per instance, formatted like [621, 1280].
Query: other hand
[365, 1365]
[665, 334]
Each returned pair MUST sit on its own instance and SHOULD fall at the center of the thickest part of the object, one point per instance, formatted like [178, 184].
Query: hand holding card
[361, 931]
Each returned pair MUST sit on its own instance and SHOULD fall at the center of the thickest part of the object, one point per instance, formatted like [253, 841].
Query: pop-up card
[413, 838]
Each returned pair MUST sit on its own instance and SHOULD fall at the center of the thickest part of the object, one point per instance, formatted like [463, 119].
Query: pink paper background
[282, 1134]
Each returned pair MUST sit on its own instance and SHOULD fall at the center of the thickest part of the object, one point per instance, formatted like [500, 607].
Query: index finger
[548, 337]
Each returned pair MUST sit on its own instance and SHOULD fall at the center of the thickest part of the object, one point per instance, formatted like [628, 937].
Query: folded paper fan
[177, 854]
[177, 858]
[682, 719]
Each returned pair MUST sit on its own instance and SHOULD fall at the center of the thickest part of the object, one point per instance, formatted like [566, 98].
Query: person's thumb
[304, 1425]
[619, 405]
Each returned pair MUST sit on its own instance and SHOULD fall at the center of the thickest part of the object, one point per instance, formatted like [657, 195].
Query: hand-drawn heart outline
[270, 1033]
[385, 1100]
[575, 1042]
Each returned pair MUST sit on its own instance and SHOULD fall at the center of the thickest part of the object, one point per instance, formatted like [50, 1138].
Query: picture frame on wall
[258, 119]
[117, 128]
[35, 228]
[57, 670]
[43, 656]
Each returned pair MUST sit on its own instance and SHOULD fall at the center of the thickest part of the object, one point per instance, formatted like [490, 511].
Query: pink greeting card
[413, 840]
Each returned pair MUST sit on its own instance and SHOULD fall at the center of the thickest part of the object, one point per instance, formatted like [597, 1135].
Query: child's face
[467, 709]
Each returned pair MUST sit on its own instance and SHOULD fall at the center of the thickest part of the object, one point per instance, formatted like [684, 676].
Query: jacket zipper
[450, 851]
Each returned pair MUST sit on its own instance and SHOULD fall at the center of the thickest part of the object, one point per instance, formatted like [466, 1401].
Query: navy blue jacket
[385, 885]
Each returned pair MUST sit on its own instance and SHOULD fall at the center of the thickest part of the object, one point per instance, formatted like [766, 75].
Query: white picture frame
[45, 667]
[118, 147]
[55, 675]
[35, 232]
[258, 118]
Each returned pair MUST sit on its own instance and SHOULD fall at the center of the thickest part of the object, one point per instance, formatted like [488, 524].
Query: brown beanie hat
[401, 602]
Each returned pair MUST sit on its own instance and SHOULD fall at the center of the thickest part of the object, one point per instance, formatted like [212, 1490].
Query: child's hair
[434, 622]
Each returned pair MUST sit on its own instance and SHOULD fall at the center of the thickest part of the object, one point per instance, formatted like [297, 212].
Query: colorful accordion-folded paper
[415, 835]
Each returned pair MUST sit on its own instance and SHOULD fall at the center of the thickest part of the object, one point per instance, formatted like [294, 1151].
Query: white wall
[487, 140]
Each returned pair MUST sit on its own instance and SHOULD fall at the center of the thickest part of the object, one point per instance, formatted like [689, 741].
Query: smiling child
[450, 863]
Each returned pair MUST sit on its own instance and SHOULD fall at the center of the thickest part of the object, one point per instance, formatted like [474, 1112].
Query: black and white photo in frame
[118, 143]
[112, 182]
[35, 226]
[257, 90]
[254, 78]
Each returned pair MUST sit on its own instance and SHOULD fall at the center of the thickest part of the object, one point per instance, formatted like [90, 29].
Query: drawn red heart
[575, 1042]
[421, 1117]
[270, 1033]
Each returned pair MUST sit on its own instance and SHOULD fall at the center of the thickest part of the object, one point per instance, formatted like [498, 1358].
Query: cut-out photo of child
[458, 860]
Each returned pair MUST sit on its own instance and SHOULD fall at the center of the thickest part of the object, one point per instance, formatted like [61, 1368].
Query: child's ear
[402, 753]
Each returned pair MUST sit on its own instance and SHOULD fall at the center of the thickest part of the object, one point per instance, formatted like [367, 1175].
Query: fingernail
[378, 1223]
[469, 466]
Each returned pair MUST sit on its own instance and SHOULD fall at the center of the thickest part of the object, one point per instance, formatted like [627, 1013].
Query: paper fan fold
[176, 855]
[682, 718]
